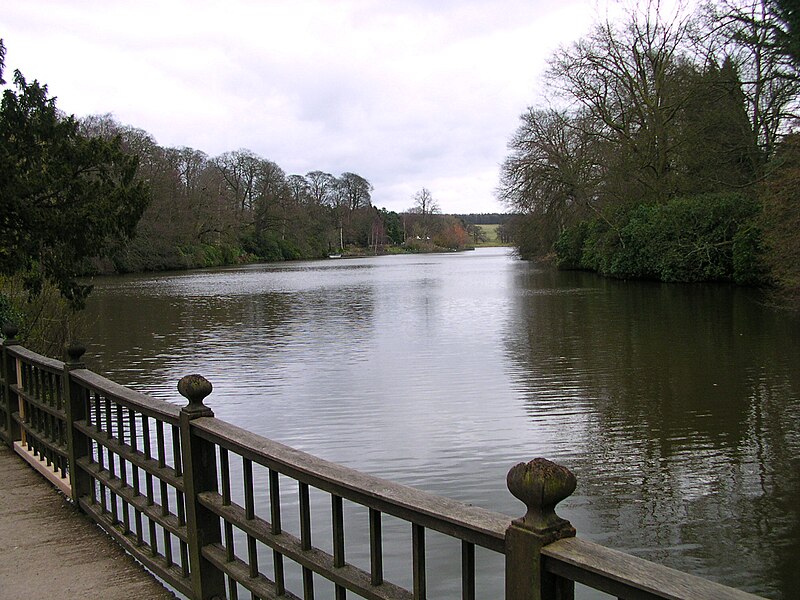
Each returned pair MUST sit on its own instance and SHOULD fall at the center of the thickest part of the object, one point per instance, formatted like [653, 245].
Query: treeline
[664, 149]
[237, 206]
[240, 207]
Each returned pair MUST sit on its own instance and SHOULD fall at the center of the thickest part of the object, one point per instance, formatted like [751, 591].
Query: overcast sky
[407, 94]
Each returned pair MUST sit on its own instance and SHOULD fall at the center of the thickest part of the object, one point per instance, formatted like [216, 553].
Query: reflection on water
[679, 407]
[676, 406]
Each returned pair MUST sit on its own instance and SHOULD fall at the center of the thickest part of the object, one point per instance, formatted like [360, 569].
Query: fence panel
[134, 460]
[469, 525]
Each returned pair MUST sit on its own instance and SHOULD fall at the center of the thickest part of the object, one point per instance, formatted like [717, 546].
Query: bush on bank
[45, 321]
[709, 237]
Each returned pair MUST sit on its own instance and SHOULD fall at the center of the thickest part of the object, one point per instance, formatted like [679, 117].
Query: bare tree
[625, 80]
[356, 191]
[270, 197]
[321, 187]
[188, 165]
[753, 34]
[240, 170]
[424, 204]
[298, 189]
[553, 167]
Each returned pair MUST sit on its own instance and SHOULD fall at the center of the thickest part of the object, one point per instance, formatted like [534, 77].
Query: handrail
[38, 360]
[152, 407]
[627, 576]
[157, 478]
[470, 523]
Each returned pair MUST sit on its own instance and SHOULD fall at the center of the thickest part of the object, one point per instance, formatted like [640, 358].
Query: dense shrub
[749, 266]
[289, 250]
[217, 255]
[781, 220]
[569, 246]
[269, 246]
[46, 321]
[262, 244]
[711, 237]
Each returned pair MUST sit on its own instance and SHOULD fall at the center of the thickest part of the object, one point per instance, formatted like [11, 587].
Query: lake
[676, 406]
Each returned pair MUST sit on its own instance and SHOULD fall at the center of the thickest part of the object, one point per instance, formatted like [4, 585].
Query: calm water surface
[677, 406]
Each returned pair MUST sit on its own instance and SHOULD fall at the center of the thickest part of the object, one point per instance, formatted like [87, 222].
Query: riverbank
[212, 258]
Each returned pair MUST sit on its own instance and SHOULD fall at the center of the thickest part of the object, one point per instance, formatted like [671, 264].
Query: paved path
[50, 550]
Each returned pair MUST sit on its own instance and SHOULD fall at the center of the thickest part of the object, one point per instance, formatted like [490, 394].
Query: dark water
[678, 407]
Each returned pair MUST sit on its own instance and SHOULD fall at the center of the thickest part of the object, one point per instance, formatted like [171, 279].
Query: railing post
[76, 408]
[9, 371]
[199, 475]
[540, 484]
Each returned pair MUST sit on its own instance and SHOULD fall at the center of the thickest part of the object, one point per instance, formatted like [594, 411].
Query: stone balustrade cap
[195, 388]
[541, 484]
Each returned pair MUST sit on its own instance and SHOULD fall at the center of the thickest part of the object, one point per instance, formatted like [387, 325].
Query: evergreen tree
[64, 196]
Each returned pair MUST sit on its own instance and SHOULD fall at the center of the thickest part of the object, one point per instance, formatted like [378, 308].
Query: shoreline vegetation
[665, 148]
[467, 236]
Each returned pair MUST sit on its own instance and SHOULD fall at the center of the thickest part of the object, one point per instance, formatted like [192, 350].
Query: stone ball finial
[10, 331]
[75, 351]
[541, 484]
[195, 388]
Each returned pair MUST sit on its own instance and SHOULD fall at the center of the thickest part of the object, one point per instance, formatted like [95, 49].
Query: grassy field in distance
[490, 231]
